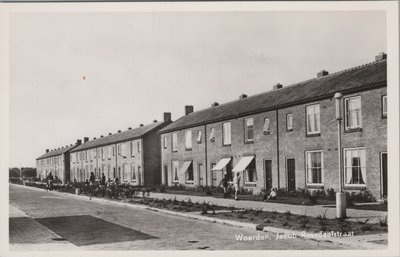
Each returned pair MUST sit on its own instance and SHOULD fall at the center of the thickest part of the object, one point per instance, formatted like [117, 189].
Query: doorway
[268, 175]
[291, 174]
[384, 174]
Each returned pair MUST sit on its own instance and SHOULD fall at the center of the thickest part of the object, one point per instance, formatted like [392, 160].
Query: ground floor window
[354, 166]
[133, 172]
[314, 166]
[250, 173]
[189, 173]
[175, 168]
[125, 172]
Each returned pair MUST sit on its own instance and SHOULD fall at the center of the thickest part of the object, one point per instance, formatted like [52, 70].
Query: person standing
[92, 178]
[236, 183]
[224, 183]
[103, 179]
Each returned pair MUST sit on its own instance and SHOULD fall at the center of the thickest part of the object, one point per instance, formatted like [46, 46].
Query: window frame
[246, 130]
[346, 104]
[224, 133]
[173, 171]
[384, 113]
[187, 181]
[245, 174]
[345, 167]
[174, 138]
[268, 130]
[165, 142]
[199, 136]
[212, 135]
[188, 141]
[289, 129]
[313, 133]
[133, 173]
[307, 167]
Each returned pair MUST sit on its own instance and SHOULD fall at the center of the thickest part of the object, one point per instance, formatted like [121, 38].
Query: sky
[75, 75]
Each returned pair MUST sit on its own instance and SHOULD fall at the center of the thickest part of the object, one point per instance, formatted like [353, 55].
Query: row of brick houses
[283, 138]
[287, 137]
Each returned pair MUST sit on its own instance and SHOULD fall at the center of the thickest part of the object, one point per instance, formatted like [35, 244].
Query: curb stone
[356, 242]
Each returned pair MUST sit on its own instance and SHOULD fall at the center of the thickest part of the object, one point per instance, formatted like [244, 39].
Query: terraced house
[288, 137]
[133, 156]
[55, 161]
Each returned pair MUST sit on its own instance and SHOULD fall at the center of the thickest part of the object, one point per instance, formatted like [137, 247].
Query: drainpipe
[205, 151]
[277, 145]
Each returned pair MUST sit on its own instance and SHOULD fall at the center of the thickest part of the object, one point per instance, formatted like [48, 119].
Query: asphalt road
[42, 220]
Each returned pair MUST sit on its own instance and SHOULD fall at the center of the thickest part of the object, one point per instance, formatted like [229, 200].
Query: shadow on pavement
[88, 230]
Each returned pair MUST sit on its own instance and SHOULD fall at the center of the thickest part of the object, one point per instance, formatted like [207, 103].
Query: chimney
[141, 125]
[381, 56]
[47, 150]
[155, 121]
[101, 136]
[214, 104]
[322, 73]
[167, 116]
[119, 131]
[110, 134]
[242, 96]
[129, 128]
[85, 139]
[78, 142]
[277, 86]
[70, 145]
[94, 138]
[188, 109]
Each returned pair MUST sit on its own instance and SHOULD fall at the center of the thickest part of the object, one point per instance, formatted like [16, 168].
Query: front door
[291, 167]
[201, 174]
[384, 174]
[165, 175]
[268, 174]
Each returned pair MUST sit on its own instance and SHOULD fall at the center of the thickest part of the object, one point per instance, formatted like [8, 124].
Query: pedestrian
[236, 183]
[272, 195]
[224, 183]
[50, 179]
[103, 179]
[92, 178]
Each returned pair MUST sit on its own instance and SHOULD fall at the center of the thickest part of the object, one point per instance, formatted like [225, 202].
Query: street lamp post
[340, 195]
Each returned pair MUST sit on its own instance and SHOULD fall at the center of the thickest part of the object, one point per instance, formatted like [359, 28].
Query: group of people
[236, 184]
[97, 180]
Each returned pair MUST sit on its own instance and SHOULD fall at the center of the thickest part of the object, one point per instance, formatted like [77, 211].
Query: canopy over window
[243, 163]
[221, 164]
[185, 167]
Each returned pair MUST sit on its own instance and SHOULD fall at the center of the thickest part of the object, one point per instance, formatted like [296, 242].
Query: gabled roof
[120, 137]
[56, 152]
[358, 78]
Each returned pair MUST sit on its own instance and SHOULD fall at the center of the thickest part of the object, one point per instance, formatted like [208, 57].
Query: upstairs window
[199, 136]
[266, 127]
[174, 142]
[109, 152]
[165, 142]
[123, 150]
[102, 153]
[249, 130]
[226, 133]
[313, 119]
[354, 166]
[212, 135]
[353, 112]
[289, 122]
[138, 146]
[384, 106]
[188, 140]
[131, 148]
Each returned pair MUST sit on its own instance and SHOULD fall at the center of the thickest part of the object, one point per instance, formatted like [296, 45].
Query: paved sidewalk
[312, 211]
[27, 234]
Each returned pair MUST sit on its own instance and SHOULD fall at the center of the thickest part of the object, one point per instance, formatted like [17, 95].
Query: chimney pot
[101, 136]
[78, 142]
[188, 109]
[277, 86]
[94, 138]
[242, 96]
[85, 139]
[381, 56]
[141, 125]
[214, 104]
[119, 131]
[167, 116]
[154, 121]
[322, 73]
[110, 134]
[47, 150]
[129, 128]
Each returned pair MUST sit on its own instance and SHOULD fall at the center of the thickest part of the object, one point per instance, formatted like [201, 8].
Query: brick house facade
[133, 156]
[288, 137]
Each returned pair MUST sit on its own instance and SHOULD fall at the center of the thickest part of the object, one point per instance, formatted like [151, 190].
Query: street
[47, 220]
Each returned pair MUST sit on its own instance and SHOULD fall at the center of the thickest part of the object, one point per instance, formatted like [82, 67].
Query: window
[384, 106]
[175, 168]
[109, 152]
[125, 172]
[226, 133]
[250, 173]
[313, 119]
[94, 153]
[113, 150]
[138, 146]
[102, 153]
[314, 166]
[289, 122]
[123, 150]
[249, 130]
[131, 148]
[119, 149]
[133, 172]
[266, 127]
[165, 142]
[189, 173]
[188, 140]
[199, 135]
[86, 155]
[174, 142]
[212, 135]
[353, 112]
[354, 166]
